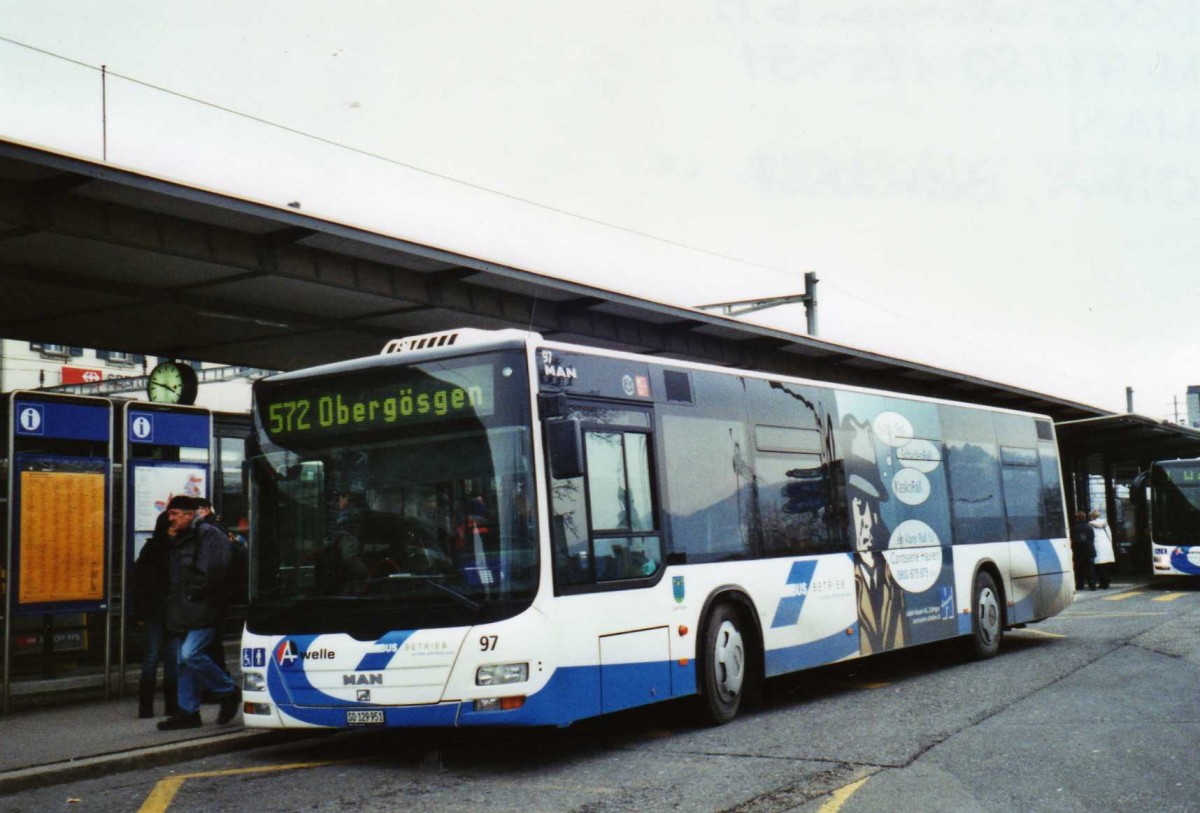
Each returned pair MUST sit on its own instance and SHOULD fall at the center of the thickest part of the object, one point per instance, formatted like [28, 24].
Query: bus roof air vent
[449, 338]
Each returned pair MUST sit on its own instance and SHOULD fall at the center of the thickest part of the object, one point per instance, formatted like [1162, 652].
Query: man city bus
[488, 528]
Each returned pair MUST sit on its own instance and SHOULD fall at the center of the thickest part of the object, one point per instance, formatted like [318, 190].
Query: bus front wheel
[987, 618]
[723, 675]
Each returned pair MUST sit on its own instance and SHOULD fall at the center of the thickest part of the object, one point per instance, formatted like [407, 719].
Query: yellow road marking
[1123, 596]
[1042, 633]
[1169, 597]
[164, 792]
[874, 685]
[839, 796]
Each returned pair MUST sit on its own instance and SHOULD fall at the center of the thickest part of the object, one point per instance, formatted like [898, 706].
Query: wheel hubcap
[989, 616]
[729, 660]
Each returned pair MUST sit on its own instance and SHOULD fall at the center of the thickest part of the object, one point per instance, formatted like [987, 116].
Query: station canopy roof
[1128, 437]
[95, 256]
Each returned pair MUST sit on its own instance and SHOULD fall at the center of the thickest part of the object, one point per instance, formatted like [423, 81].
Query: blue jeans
[160, 647]
[198, 673]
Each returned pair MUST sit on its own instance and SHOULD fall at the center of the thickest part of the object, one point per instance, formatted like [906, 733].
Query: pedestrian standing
[1083, 551]
[199, 564]
[205, 515]
[1105, 556]
[151, 580]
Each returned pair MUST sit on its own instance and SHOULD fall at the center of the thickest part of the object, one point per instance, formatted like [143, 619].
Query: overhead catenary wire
[105, 72]
[394, 161]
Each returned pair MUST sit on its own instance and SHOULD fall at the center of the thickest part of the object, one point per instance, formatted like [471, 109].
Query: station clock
[172, 382]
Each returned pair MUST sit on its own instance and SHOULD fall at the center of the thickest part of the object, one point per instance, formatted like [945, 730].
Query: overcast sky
[1010, 190]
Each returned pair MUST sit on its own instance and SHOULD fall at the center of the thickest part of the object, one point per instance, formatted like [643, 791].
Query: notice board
[61, 531]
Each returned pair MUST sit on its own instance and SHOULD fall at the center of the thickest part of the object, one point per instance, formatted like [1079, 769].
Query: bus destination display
[382, 399]
[1184, 474]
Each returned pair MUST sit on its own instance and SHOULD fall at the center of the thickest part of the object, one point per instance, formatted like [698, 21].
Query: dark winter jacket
[151, 575]
[1083, 541]
[235, 577]
[199, 564]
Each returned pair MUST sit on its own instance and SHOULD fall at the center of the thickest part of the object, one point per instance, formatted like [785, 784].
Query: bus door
[606, 537]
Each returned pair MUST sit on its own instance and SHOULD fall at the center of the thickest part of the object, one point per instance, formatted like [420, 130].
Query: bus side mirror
[552, 405]
[564, 445]
[1139, 490]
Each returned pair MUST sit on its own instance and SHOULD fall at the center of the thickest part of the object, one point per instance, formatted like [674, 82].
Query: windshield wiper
[434, 581]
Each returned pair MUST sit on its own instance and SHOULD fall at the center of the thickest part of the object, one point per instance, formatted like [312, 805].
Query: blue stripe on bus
[1180, 561]
[572, 693]
[292, 681]
[1046, 555]
[625, 685]
[1036, 605]
[815, 653]
[788, 611]
[387, 647]
[1024, 610]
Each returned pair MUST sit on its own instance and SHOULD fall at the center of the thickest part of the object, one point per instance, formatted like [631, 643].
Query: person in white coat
[1104, 548]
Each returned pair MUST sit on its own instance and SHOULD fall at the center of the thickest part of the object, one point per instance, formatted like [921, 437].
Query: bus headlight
[496, 673]
[254, 682]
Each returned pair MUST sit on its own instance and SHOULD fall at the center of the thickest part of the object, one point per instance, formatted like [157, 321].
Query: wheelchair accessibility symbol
[141, 428]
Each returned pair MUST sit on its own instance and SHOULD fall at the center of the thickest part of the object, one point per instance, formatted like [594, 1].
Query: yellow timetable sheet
[62, 537]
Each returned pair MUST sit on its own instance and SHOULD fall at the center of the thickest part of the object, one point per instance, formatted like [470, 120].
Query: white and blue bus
[488, 528]
[1168, 495]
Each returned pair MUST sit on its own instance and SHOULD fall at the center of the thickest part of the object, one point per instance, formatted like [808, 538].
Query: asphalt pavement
[79, 740]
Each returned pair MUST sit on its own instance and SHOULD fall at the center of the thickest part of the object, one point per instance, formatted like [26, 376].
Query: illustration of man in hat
[880, 597]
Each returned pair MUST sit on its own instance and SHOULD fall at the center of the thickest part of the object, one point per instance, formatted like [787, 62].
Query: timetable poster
[62, 537]
[155, 484]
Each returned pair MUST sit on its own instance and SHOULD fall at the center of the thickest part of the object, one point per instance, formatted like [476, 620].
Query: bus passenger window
[973, 469]
[1022, 492]
[710, 488]
[795, 505]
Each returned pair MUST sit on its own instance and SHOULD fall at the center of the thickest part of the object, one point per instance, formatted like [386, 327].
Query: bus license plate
[374, 717]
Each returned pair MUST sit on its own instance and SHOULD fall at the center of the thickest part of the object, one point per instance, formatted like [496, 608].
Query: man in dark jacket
[1083, 551]
[205, 515]
[199, 563]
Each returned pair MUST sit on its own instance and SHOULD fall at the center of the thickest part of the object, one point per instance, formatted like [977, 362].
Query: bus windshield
[1176, 510]
[393, 498]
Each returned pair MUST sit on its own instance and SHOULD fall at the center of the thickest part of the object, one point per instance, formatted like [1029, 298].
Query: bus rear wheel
[723, 666]
[987, 618]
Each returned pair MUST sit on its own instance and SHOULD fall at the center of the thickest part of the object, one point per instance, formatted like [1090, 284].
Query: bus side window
[625, 545]
[1023, 502]
[1055, 523]
[973, 470]
[710, 487]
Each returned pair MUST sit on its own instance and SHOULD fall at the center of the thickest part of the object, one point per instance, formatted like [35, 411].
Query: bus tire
[723, 665]
[987, 618]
